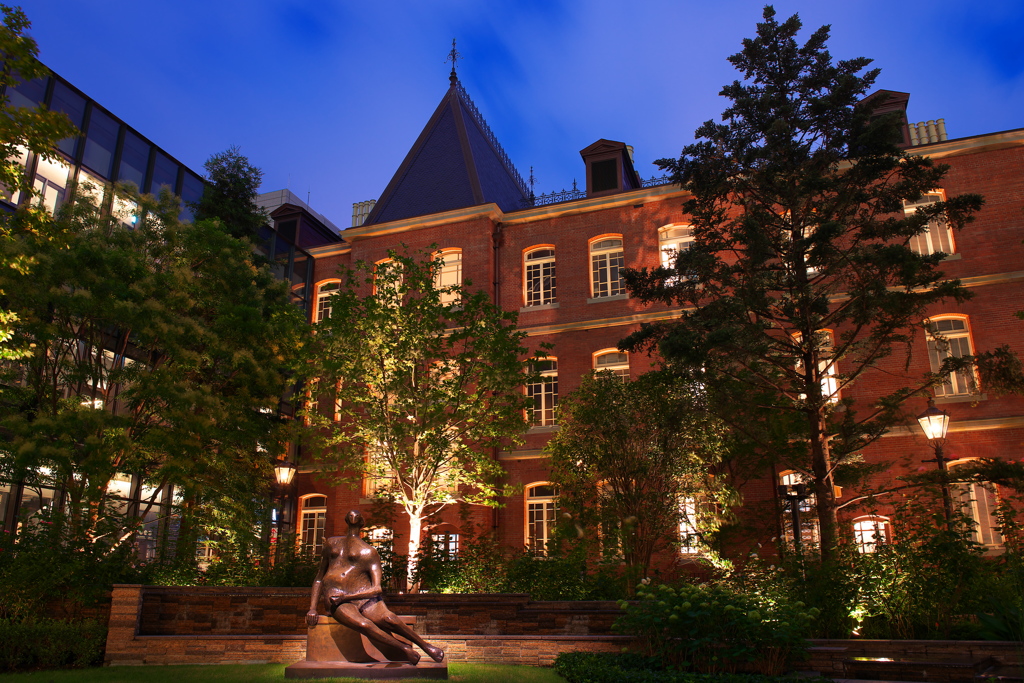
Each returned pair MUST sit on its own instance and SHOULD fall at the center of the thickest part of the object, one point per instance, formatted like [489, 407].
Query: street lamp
[935, 422]
[284, 472]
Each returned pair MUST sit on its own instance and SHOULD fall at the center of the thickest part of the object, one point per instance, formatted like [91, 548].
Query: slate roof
[455, 162]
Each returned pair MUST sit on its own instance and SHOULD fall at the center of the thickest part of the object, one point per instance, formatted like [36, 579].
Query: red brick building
[555, 260]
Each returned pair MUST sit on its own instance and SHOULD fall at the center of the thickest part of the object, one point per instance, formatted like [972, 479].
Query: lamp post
[284, 473]
[795, 495]
[935, 422]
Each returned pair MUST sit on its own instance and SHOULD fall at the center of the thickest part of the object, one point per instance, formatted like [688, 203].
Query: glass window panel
[100, 142]
[51, 182]
[35, 500]
[15, 196]
[120, 485]
[134, 159]
[91, 187]
[71, 103]
[28, 94]
[165, 174]
[6, 493]
[191, 192]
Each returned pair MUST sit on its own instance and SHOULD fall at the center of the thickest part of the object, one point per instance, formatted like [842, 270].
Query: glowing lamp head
[284, 472]
[934, 422]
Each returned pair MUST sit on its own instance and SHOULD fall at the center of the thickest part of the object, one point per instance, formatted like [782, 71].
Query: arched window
[539, 283]
[951, 337]
[541, 510]
[870, 532]
[828, 373]
[606, 264]
[613, 361]
[544, 393]
[673, 239]
[450, 274]
[311, 525]
[387, 276]
[323, 299]
[979, 502]
[937, 236]
[809, 533]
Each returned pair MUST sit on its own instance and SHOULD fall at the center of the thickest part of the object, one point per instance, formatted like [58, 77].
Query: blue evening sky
[327, 96]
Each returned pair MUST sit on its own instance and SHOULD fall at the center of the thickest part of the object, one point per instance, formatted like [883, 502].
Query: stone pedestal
[334, 651]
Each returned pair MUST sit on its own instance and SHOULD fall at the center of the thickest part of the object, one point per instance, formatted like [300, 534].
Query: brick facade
[988, 258]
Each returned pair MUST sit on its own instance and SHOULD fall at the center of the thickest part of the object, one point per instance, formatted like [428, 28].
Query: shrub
[50, 644]
[713, 628]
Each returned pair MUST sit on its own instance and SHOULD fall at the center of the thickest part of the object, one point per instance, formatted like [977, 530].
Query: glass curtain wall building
[107, 150]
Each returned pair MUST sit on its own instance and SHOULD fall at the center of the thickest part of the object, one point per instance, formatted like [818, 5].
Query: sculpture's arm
[312, 615]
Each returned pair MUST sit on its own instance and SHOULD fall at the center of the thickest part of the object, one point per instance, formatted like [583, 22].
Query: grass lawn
[258, 673]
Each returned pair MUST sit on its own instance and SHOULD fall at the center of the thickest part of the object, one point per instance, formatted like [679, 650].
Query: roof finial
[453, 57]
[532, 181]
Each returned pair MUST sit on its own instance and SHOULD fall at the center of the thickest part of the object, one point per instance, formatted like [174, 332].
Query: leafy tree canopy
[157, 350]
[801, 276]
[635, 459]
[416, 385]
[230, 194]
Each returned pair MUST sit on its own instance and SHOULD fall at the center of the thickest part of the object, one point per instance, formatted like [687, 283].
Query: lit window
[689, 541]
[380, 477]
[540, 277]
[806, 507]
[51, 182]
[449, 276]
[13, 195]
[381, 535]
[869, 533]
[311, 525]
[673, 239]
[827, 371]
[541, 509]
[323, 299]
[979, 503]
[606, 264]
[937, 236]
[445, 545]
[387, 276]
[544, 393]
[91, 188]
[950, 337]
[612, 361]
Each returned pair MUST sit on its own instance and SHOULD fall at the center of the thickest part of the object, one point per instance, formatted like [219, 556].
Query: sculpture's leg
[389, 621]
[348, 615]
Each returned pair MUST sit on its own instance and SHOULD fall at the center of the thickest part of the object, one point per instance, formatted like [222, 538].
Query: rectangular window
[869, 533]
[540, 277]
[543, 393]
[100, 143]
[445, 545]
[72, 105]
[950, 337]
[607, 262]
[51, 183]
[165, 174]
[450, 275]
[312, 530]
[979, 503]
[673, 239]
[323, 300]
[689, 541]
[134, 160]
[809, 534]
[541, 510]
[937, 237]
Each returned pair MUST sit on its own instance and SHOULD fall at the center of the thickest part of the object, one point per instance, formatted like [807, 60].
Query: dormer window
[609, 168]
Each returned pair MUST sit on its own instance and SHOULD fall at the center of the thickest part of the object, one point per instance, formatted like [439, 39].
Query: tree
[230, 194]
[21, 129]
[424, 381]
[801, 277]
[157, 350]
[636, 458]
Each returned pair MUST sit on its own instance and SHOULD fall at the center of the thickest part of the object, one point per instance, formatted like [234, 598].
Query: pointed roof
[456, 162]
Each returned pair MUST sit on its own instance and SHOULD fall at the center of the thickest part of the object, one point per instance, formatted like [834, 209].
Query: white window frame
[445, 543]
[943, 343]
[449, 274]
[937, 237]
[541, 511]
[869, 532]
[614, 361]
[673, 239]
[979, 501]
[312, 523]
[544, 393]
[828, 369]
[607, 260]
[810, 531]
[539, 276]
[689, 541]
[324, 292]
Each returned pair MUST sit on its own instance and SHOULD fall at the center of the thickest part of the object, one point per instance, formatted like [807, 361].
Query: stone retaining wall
[171, 625]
